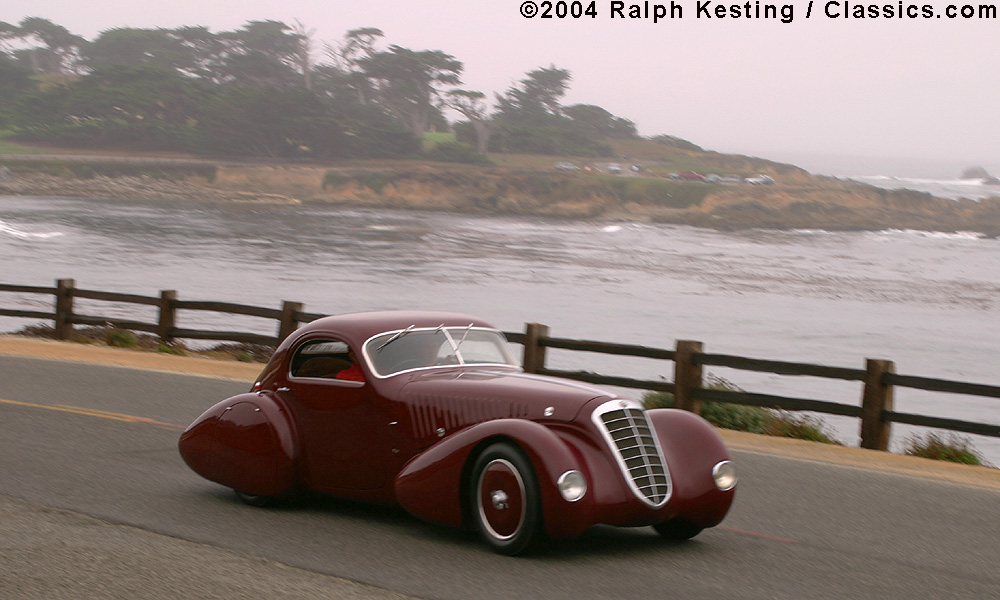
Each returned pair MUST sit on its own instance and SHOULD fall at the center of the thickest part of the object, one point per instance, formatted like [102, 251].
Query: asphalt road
[96, 503]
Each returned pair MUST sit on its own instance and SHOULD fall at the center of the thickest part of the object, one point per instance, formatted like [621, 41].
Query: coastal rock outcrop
[800, 202]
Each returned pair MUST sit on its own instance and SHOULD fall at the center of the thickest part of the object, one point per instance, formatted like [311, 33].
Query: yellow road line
[90, 412]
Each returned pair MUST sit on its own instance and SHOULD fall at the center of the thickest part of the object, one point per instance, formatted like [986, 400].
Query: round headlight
[572, 485]
[724, 475]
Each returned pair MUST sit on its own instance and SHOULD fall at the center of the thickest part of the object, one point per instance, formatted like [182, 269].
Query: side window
[325, 359]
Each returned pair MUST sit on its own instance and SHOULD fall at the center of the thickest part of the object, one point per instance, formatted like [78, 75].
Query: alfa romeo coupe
[431, 411]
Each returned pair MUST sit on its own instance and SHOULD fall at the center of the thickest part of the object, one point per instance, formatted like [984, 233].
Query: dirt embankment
[798, 200]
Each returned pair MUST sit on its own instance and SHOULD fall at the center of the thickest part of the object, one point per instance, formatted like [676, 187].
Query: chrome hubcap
[499, 499]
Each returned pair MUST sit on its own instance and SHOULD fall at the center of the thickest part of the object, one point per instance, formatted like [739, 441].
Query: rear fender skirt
[692, 448]
[246, 442]
[431, 485]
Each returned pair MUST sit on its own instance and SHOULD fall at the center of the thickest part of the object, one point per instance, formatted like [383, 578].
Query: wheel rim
[500, 499]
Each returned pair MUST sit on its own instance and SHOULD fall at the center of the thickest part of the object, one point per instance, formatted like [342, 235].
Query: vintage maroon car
[430, 411]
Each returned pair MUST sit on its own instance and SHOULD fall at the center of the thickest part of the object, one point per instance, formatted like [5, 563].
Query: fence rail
[878, 378]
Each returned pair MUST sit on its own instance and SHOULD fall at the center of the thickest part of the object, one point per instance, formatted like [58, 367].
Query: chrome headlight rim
[572, 485]
[724, 475]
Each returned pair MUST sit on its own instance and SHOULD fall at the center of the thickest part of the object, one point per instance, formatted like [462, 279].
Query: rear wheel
[677, 529]
[506, 503]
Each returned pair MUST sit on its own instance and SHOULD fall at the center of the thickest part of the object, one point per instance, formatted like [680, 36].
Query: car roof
[360, 326]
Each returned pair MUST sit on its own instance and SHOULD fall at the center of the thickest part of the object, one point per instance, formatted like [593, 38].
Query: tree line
[257, 91]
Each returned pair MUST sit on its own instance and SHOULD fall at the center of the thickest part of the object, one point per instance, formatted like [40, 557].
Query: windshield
[396, 351]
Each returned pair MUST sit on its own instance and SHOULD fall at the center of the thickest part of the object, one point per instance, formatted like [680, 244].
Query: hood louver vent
[428, 413]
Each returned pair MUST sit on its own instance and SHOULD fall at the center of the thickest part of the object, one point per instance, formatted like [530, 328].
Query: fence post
[64, 308]
[534, 353]
[168, 315]
[289, 319]
[687, 375]
[876, 398]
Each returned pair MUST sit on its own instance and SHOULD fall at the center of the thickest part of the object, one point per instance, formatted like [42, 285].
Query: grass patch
[171, 348]
[9, 147]
[658, 192]
[373, 180]
[88, 169]
[457, 153]
[436, 138]
[950, 448]
[118, 337]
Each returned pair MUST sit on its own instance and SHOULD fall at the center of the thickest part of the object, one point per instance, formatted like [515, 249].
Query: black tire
[255, 499]
[505, 501]
[677, 529]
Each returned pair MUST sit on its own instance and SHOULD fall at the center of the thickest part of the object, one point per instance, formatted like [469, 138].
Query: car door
[340, 421]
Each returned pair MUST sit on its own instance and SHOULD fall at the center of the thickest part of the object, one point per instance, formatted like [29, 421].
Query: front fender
[431, 486]
[246, 442]
[692, 447]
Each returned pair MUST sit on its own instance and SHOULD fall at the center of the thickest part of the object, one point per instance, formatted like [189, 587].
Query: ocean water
[928, 301]
[972, 189]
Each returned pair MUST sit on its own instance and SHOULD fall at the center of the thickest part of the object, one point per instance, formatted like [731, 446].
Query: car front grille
[626, 429]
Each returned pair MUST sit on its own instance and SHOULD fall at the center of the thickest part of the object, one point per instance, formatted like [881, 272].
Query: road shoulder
[14, 345]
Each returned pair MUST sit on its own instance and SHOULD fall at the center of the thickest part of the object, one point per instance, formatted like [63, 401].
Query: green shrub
[170, 349]
[242, 352]
[333, 179]
[954, 448]
[434, 138]
[373, 180]
[752, 419]
[721, 414]
[658, 192]
[799, 427]
[456, 152]
[120, 338]
[98, 168]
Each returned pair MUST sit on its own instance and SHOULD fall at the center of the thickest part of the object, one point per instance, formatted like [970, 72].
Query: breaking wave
[972, 189]
[8, 229]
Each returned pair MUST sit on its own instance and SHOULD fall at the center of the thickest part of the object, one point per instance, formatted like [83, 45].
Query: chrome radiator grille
[626, 429]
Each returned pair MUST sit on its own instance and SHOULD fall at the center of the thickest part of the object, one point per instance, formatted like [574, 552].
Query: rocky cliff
[798, 200]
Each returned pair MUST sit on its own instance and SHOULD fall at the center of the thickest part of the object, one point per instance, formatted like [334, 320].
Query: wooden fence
[289, 316]
[878, 378]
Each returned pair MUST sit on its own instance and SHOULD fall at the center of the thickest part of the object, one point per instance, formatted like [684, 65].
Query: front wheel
[506, 502]
[677, 529]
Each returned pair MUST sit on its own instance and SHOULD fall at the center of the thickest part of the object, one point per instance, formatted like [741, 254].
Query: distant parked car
[690, 176]
[430, 411]
[723, 179]
[615, 168]
[760, 180]
[566, 166]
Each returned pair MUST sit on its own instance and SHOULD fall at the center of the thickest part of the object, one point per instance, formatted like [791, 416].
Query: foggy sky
[912, 96]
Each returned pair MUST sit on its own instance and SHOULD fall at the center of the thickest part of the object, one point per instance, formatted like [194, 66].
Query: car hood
[456, 398]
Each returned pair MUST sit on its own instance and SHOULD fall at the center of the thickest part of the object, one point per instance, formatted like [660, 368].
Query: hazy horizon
[905, 97]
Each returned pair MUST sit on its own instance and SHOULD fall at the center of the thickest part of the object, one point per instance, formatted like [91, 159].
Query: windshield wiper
[398, 335]
[464, 335]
